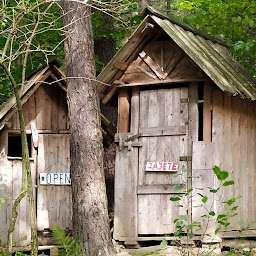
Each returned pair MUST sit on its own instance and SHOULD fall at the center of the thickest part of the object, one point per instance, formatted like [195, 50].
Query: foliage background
[232, 21]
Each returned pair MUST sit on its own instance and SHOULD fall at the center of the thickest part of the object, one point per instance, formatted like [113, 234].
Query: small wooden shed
[44, 103]
[183, 101]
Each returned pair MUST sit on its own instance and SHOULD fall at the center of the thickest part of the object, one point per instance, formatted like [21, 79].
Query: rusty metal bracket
[186, 158]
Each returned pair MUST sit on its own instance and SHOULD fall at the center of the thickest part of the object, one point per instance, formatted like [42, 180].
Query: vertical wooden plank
[250, 162]
[227, 144]
[184, 139]
[43, 107]
[254, 163]
[143, 122]
[207, 119]
[217, 137]
[243, 177]
[235, 171]
[153, 120]
[192, 131]
[42, 207]
[55, 100]
[124, 109]
[29, 111]
[125, 220]
[54, 158]
[63, 112]
[4, 186]
[135, 110]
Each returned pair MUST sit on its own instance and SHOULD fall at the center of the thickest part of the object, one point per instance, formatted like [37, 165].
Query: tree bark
[90, 216]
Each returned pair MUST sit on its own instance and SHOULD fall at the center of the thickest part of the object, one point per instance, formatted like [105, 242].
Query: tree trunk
[90, 216]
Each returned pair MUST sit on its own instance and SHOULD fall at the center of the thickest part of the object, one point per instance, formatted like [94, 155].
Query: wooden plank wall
[234, 128]
[47, 107]
[161, 109]
[162, 60]
[203, 178]
[10, 184]
[54, 205]
[125, 221]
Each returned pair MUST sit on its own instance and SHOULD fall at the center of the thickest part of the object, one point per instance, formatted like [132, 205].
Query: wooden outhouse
[184, 103]
[44, 104]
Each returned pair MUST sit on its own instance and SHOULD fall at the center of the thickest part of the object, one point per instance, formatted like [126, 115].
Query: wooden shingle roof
[209, 53]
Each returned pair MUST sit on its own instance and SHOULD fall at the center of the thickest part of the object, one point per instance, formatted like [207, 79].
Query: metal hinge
[188, 100]
[186, 158]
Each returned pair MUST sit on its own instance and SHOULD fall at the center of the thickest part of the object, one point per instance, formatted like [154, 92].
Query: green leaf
[228, 183]
[180, 224]
[221, 175]
[205, 198]
[190, 235]
[184, 169]
[231, 201]
[185, 217]
[175, 220]
[212, 213]
[234, 19]
[234, 208]
[174, 199]
[164, 243]
[175, 175]
[213, 190]
[212, 10]
[188, 192]
[240, 222]
[251, 23]
[178, 187]
[217, 230]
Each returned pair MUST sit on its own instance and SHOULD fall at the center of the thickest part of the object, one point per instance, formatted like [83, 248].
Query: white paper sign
[34, 134]
[55, 179]
[161, 167]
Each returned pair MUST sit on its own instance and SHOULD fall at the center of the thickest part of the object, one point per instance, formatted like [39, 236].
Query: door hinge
[188, 100]
[186, 158]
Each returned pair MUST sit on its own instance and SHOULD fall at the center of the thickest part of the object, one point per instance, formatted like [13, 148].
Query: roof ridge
[151, 10]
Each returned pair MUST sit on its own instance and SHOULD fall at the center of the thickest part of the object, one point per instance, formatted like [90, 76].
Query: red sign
[161, 167]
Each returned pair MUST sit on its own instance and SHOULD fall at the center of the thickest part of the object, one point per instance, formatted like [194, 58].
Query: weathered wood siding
[162, 60]
[165, 132]
[161, 109]
[54, 202]
[47, 107]
[10, 184]
[233, 149]
[234, 133]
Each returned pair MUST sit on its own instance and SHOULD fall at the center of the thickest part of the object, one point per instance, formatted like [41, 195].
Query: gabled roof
[30, 86]
[51, 70]
[210, 54]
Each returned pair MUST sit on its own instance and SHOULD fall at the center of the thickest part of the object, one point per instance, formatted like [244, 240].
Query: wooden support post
[123, 110]
[207, 116]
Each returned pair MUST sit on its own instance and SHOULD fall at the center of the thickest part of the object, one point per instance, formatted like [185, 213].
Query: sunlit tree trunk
[90, 216]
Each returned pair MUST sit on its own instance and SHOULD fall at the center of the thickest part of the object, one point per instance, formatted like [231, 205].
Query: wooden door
[53, 201]
[163, 127]
[159, 132]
